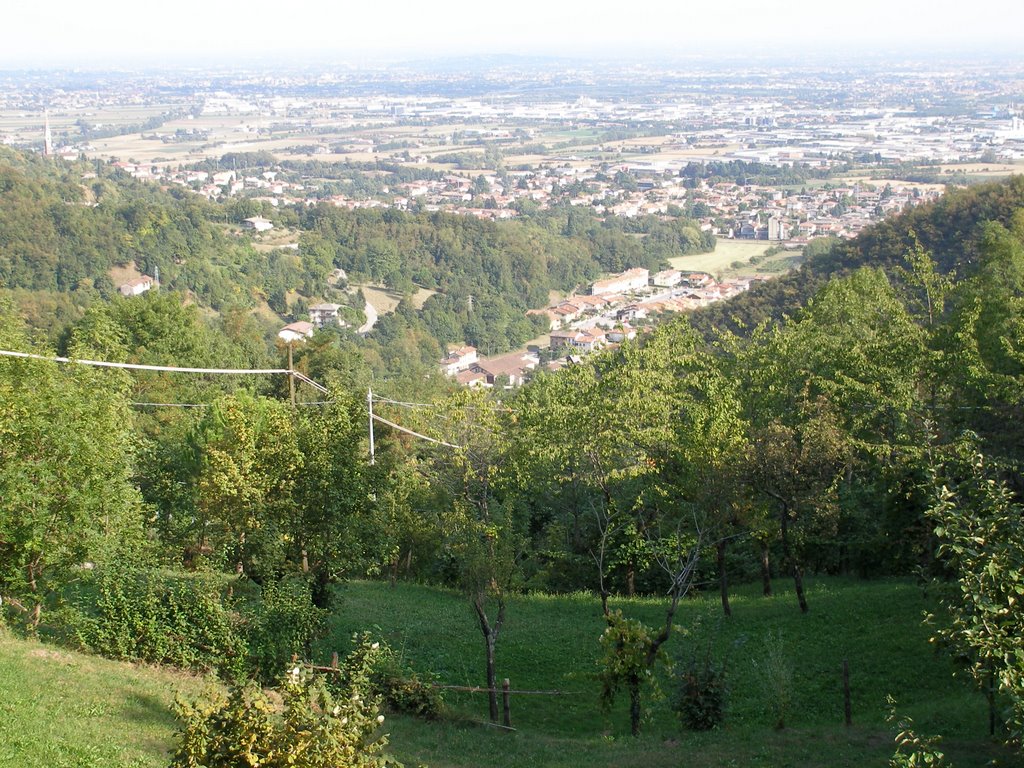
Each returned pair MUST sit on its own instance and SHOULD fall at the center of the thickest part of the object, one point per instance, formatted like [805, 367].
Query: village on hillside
[610, 314]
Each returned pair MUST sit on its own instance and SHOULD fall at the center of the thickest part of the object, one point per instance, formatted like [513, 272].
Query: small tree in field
[631, 649]
[478, 525]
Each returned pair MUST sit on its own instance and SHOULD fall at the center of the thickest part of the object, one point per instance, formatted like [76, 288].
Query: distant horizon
[713, 58]
[111, 34]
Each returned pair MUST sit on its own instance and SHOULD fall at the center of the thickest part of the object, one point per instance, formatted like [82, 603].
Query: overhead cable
[400, 428]
[141, 367]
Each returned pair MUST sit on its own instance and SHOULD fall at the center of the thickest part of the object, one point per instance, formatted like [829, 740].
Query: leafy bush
[148, 615]
[912, 750]
[185, 621]
[700, 695]
[312, 728]
[399, 688]
[279, 625]
[404, 690]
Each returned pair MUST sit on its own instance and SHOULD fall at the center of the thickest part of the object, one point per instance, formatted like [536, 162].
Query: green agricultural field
[59, 708]
[719, 260]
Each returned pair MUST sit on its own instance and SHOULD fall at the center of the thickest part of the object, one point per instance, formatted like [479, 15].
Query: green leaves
[65, 469]
[313, 727]
[980, 529]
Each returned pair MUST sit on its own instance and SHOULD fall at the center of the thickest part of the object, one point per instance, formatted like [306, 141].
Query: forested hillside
[875, 432]
[64, 227]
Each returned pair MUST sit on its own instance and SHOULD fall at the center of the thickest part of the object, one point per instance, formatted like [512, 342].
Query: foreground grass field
[59, 708]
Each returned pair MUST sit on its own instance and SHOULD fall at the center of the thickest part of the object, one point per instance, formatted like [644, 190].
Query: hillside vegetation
[212, 521]
[66, 228]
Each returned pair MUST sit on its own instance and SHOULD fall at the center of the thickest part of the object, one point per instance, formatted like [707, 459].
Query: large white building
[325, 314]
[630, 280]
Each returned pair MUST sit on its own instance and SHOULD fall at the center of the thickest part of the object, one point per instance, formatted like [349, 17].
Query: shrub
[148, 615]
[279, 625]
[700, 694]
[185, 621]
[404, 690]
[399, 688]
[912, 750]
[312, 728]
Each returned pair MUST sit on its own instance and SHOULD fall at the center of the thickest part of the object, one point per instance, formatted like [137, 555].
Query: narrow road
[371, 318]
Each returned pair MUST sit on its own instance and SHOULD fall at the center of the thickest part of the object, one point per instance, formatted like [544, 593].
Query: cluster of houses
[467, 368]
[725, 208]
[264, 186]
[320, 316]
[636, 295]
[582, 324]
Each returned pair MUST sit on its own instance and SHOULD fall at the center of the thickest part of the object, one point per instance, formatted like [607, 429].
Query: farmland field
[720, 259]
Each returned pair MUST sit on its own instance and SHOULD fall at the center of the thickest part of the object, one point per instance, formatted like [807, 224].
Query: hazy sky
[60, 32]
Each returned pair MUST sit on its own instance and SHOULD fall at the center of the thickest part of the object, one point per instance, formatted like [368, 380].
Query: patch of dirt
[49, 654]
[121, 275]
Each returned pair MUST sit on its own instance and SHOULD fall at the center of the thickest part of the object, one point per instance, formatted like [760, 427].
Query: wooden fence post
[505, 702]
[334, 660]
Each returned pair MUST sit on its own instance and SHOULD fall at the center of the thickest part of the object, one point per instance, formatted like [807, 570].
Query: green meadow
[61, 708]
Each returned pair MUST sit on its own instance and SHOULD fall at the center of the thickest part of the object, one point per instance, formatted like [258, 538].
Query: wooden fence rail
[506, 689]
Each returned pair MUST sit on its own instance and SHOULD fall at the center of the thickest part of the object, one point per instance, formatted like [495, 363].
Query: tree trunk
[490, 636]
[766, 572]
[798, 576]
[240, 565]
[631, 577]
[723, 580]
[37, 609]
[492, 679]
[798, 582]
[634, 705]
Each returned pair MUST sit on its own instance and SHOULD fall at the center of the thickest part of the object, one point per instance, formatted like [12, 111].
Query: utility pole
[291, 375]
[369, 403]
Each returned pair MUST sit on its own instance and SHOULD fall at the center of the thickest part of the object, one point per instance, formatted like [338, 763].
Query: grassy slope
[58, 708]
[551, 643]
[725, 253]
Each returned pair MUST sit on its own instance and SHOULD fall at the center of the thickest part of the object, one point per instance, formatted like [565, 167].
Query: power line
[238, 371]
[377, 399]
[400, 428]
[402, 404]
[170, 368]
[305, 378]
